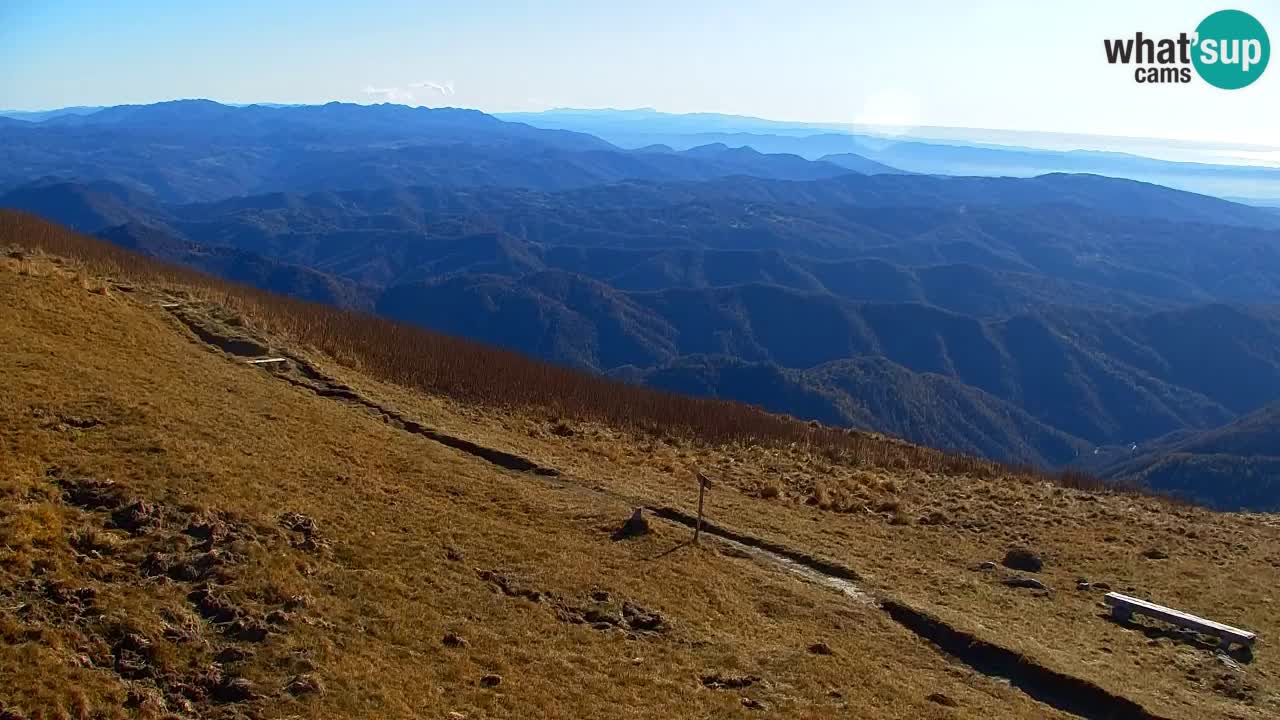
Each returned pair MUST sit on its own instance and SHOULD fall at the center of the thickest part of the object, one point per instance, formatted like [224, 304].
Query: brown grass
[410, 526]
[478, 374]
[409, 523]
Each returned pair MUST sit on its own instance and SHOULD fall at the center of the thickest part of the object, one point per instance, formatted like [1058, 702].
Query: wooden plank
[264, 361]
[1177, 617]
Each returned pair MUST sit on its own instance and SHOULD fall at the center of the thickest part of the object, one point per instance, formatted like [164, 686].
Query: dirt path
[1065, 693]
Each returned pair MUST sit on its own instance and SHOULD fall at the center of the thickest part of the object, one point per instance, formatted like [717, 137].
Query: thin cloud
[445, 88]
[413, 93]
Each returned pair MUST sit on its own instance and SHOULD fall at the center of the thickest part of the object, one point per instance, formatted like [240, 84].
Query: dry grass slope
[185, 535]
[475, 373]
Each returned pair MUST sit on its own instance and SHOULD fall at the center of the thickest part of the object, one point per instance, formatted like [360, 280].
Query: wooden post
[703, 484]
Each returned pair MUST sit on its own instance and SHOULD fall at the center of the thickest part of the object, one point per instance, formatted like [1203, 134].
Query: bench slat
[1177, 617]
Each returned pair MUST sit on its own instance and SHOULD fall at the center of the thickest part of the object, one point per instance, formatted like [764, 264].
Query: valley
[1056, 321]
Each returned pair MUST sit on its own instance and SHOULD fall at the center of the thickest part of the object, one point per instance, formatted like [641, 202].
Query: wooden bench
[1123, 608]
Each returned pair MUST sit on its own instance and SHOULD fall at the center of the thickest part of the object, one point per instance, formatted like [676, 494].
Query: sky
[1008, 64]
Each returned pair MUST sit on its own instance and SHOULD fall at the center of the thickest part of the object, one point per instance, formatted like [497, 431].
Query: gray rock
[305, 685]
[1023, 559]
[1025, 582]
[943, 700]
[635, 526]
[603, 614]
[233, 689]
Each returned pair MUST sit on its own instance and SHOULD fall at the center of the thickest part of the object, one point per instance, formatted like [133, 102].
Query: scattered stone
[943, 700]
[935, 517]
[491, 681]
[232, 655]
[1083, 585]
[603, 615]
[133, 655]
[248, 629]
[213, 606]
[1155, 554]
[635, 526]
[305, 685]
[232, 690]
[1104, 587]
[138, 517]
[92, 494]
[454, 640]
[752, 704]
[186, 568]
[1025, 582]
[81, 422]
[985, 566]
[600, 596]
[1023, 559]
[78, 600]
[298, 522]
[279, 617]
[210, 532]
[145, 699]
[454, 554]
[95, 543]
[637, 618]
[820, 648]
[311, 543]
[508, 586]
[718, 681]
[1228, 662]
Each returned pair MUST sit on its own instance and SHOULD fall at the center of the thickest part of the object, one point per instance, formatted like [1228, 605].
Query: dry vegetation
[479, 374]
[421, 572]
[431, 571]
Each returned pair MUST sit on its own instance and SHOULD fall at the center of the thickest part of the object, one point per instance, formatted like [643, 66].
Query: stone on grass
[635, 526]
[1023, 559]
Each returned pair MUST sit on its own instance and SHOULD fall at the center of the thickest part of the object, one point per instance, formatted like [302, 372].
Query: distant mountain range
[1057, 320]
[197, 150]
[925, 150]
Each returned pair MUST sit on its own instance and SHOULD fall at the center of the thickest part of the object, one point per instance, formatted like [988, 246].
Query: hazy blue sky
[1013, 64]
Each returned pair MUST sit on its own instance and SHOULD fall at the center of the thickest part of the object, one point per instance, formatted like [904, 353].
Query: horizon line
[817, 125]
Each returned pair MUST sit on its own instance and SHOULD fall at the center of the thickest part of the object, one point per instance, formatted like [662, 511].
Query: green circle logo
[1232, 49]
